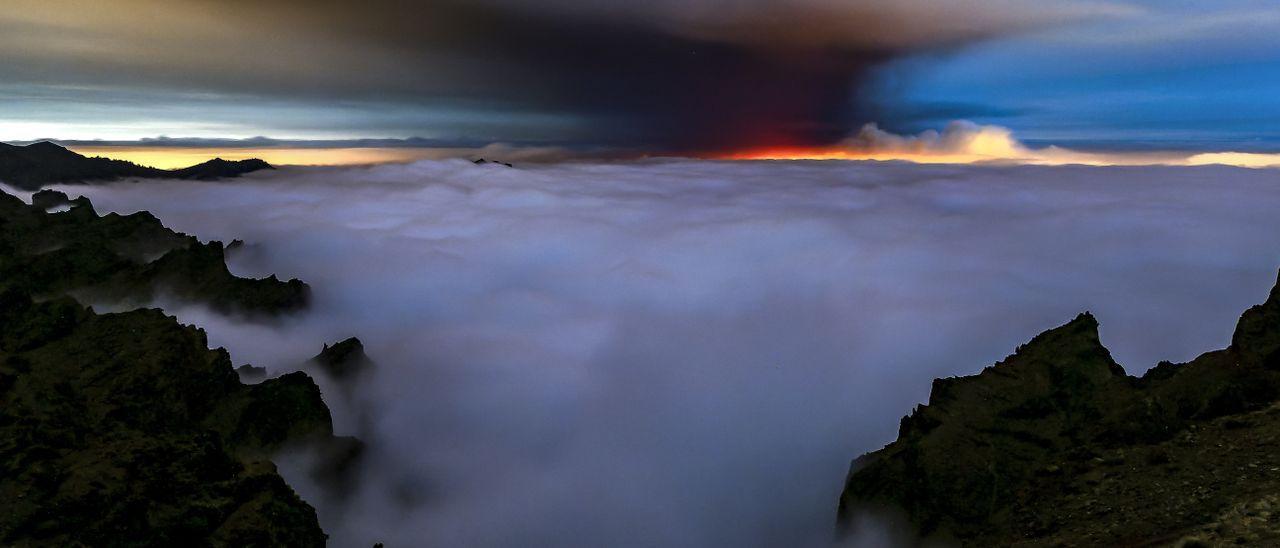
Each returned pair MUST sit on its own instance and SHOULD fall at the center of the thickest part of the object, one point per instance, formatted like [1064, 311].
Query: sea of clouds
[689, 353]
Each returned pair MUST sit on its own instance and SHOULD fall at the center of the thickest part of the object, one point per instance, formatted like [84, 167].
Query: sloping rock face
[57, 246]
[1256, 342]
[344, 360]
[126, 429]
[218, 168]
[347, 366]
[36, 165]
[1056, 446]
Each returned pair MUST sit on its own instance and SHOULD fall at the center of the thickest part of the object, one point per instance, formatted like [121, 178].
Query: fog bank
[688, 353]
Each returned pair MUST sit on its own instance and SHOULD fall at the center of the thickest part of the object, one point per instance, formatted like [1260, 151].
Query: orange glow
[1052, 156]
[994, 155]
[977, 149]
[968, 143]
[838, 153]
[179, 157]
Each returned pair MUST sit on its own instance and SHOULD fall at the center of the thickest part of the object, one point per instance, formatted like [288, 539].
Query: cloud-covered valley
[689, 353]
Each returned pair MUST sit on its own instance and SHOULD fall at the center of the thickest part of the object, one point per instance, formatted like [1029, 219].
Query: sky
[670, 351]
[666, 77]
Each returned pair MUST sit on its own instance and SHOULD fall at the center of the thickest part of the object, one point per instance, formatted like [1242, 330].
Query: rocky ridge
[1056, 446]
[38, 164]
[344, 360]
[62, 246]
[125, 429]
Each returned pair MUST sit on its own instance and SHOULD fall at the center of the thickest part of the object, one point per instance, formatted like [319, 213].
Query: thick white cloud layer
[689, 353]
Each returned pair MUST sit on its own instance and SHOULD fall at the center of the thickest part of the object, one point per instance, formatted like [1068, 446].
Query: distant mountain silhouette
[33, 166]
[483, 161]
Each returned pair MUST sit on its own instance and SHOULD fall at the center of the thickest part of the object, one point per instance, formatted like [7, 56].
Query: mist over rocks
[126, 427]
[344, 360]
[687, 353]
[58, 246]
[251, 373]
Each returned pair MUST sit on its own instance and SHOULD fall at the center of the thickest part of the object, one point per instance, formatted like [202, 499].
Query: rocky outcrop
[344, 360]
[1056, 446]
[1256, 342]
[218, 168]
[59, 246]
[36, 165]
[126, 429]
[347, 366]
[251, 373]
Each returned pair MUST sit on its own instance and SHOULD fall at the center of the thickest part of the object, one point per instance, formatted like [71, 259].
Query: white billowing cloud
[963, 142]
[959, 139]
[960, 142]
[689, 353]
[1242, 159]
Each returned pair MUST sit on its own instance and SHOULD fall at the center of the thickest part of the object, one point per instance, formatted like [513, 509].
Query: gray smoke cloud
[689, 353]
[691, 76]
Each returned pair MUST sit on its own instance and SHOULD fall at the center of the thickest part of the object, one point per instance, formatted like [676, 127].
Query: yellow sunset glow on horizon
[180, 157]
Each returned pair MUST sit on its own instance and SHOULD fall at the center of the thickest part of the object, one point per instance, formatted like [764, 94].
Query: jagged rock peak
[251, 373]
[127, 259]
[344, 359]
[48, 199]
[1256, 341]
[1025, 451]
[101, 411]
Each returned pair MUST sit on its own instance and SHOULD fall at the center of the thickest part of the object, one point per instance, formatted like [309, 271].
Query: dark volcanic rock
[347, 365]
[218, 168]
[250, 373]
[199, 273]
[344, 360]
[1056, 446]
[51, 199]
[33, 166]
[124, 258]
[125, 429]
[1043, 400]
[1257, 341]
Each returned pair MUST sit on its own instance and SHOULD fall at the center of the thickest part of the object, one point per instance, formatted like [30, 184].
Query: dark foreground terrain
[36, 165]
[1057, 446]
[126, 429]
[59, 247]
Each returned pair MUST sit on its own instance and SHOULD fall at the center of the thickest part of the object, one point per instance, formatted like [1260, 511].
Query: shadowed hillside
[33, 166]
[61, 246]
[1056, 446]
[125, 429]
